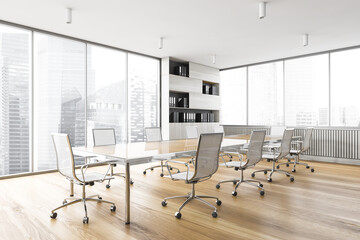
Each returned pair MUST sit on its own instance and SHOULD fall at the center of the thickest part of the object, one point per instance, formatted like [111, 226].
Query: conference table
[129, 154]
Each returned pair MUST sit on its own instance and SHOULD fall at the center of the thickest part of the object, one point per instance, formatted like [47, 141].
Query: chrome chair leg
[162, 168]
[295, 162]
[116, 174]
[272, 171]
[190, 197]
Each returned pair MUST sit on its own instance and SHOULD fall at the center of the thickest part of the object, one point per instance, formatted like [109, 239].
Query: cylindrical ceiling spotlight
[214, 59]
[262, 10]
[305, 39]
[68, 15]
[161, 43]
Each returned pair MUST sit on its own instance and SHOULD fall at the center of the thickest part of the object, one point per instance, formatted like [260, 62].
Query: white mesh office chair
[206, 164]
[153, 134]
[277, 154]
[253, 156]
[192, 132]
[66, 167]
[300, 147]
[106, 137]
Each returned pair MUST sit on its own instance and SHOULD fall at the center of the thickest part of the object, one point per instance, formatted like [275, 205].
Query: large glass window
[15, 85]
[233, 96]
[59, 95]
[345, 85]
[106, 91]
[144, 93]
[307, 91]
[266, 94]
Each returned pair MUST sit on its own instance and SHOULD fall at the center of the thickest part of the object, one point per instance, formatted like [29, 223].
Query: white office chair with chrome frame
[300, 147]
[206, 164]
[106, 137]
[153, 134]
[277, 154]
[66, 167]
[253, 156]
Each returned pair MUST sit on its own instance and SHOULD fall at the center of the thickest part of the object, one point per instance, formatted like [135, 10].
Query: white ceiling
[196, 29]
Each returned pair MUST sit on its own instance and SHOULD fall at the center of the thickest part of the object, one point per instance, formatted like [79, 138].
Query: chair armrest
[179, 162]
[85, 166]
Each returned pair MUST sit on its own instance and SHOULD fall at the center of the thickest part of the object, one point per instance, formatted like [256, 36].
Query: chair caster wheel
[293, 170]
[131, 182]
[277, 167]
[144, 172]
[86, 220]
[214, 214]
[178, 215]
[53, 215]
[253, 175]
[161, 174]
[164, 203]
[178, 171]
[262, 192]
[260, 185]
[236, 169]
[269, 179]
[107, 186]
[292, 179]
[218, 202]
[265, 172]
[99, 197]
[151, 169]
[312, 170]
[234, 182]
[217, 186]
[307, 167]
[268, 160]
[64, 202]
[234, 194]
[113, 208]
[287, 165]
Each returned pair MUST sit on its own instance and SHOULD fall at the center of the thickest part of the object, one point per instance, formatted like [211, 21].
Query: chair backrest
[219, 129]
[153, 134]
[207, 155]
[285, 146]
[307, 139]
[254, 153]
[277, 130]
[64, 155]
[192, 132]
[104, 136]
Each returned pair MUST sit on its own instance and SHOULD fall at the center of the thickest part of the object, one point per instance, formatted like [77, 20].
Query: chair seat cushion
[181, 176]
[92, 177]
[294, 151]
[234, 164]
[270, 156]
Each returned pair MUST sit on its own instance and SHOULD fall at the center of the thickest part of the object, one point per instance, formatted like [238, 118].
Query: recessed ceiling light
[305, 39]
[68, 15]
[161, 43]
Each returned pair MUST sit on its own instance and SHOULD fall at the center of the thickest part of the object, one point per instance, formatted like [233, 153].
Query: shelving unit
[190, 96]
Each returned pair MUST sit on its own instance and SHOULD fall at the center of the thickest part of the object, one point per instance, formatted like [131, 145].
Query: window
[144, 93]
[345, 85]
[106, 91]
[266, 94]
[233, 96]
[307, 91]
[59, 95]
[15, 85]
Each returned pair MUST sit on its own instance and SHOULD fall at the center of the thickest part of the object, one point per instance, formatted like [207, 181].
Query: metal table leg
[127, 193]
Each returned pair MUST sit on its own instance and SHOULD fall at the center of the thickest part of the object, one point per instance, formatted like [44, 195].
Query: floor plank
[320, 205]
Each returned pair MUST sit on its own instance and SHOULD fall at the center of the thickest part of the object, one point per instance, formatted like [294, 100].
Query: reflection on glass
[59, 95]
[307, 91]
[106, 91]
[144, 103]
[266, 94]
[15, 82]
[233, 96]
[345, 85]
